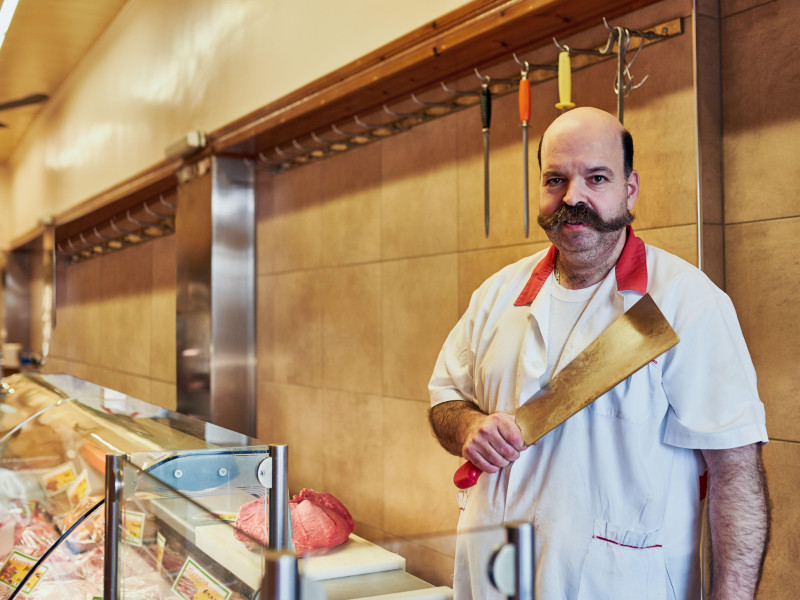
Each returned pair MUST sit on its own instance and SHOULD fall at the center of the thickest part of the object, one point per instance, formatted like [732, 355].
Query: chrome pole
[281, 578]
[113, 510]
[521, 536]
[278, 495]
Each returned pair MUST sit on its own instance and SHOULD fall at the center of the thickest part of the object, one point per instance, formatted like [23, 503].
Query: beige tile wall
[115, 322]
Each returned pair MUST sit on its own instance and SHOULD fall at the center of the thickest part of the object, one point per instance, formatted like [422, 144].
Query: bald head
[601, 124]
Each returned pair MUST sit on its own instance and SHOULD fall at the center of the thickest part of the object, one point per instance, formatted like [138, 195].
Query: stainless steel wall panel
[215, 259]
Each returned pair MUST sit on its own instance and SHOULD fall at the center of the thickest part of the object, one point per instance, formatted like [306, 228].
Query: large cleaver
[633, 340]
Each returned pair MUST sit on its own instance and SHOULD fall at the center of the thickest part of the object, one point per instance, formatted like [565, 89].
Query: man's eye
[554, 181]
[598, 178]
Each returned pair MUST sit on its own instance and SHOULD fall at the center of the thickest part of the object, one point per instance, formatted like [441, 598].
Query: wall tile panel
[297, 327]
[289, 414]
[351, 206]
[290, 221]
[418, 474]
[351, 329]
[420, 306]
[419, 194]
[761, 115]
[761, 259]
[353, 462]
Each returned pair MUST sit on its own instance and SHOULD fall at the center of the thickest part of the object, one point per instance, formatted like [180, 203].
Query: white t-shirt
[565, 310]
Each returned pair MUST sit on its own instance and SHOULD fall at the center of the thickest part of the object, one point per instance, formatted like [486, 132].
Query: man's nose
[572, 195]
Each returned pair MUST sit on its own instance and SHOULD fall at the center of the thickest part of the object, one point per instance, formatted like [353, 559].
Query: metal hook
[597, 52]
[486, 80]
[264, 158]
[167, 204]
[358, 138]
[113, 243]
[457, 92]
[314, 152]
[338, 145]
[137, 221]
[431, 104]
[153, 213]
[125, 233]
[286, 155]
[96, 248]
[381, 130]
[64, 251]
[420, 116]
[528, 67]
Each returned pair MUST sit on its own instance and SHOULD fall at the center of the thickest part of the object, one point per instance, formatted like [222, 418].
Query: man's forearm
[739, 517]
[451, 422]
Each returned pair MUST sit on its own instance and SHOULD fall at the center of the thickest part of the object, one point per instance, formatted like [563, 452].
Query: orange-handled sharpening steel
[525, 117]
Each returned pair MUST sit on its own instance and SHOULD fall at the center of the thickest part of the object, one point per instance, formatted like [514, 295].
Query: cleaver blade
[634, 339]
[629, 343]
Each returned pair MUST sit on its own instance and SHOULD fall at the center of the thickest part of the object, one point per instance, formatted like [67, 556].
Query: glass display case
[106, 496]
[57, 435]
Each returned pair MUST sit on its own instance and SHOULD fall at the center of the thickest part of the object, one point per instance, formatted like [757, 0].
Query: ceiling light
[6, 14]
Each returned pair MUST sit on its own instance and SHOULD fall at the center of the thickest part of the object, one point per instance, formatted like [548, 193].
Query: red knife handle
[466, 476]
[525, 100]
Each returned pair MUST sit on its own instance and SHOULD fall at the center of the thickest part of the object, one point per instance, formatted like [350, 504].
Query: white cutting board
[356, 556]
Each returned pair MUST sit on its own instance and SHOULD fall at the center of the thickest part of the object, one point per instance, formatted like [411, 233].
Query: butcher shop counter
[57, 435]
[180, 489]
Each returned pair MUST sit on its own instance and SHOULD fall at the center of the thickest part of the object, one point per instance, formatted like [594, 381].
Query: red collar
[631, 270]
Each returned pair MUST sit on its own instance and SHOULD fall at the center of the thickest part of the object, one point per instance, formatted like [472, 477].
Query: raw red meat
[319, 521]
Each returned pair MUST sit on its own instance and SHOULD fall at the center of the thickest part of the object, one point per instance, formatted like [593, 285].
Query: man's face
[584, 195]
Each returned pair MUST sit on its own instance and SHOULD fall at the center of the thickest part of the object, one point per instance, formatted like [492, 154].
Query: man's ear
[632, 189]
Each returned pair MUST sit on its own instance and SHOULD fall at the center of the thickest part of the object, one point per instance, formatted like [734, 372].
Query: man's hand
[739, 510]
[493, 442]
[490, 442]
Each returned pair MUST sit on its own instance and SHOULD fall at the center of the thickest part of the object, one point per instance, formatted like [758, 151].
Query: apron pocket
[613, 571]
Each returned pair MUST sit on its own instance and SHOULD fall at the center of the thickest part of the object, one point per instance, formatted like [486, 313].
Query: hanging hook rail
[127, 230]
[621, 37]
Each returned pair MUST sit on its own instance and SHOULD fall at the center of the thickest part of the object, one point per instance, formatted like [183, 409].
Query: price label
[78, 489]
[161, 543]
[133, 526]
[195, 583]
[16, 568]
[58, 479]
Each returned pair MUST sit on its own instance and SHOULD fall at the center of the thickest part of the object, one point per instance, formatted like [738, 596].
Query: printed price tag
[161, 543]
[194, 583]
[16, 567]
[78, 489]
[58, 479]
[133, 526]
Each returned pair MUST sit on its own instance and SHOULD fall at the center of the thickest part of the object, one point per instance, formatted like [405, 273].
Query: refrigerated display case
[57, 434]
[69, 447]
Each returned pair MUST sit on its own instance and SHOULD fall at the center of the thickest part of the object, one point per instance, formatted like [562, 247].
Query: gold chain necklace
[555, 270]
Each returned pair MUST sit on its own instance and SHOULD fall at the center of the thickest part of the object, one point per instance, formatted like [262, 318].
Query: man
[613, 492]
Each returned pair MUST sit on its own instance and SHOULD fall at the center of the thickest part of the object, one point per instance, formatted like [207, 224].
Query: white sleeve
[709, 376]
[452, 377]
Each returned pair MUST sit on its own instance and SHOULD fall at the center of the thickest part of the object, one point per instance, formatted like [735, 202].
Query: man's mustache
[587, 215]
